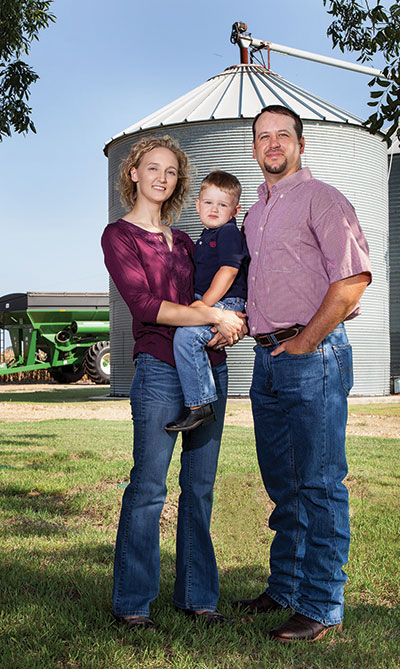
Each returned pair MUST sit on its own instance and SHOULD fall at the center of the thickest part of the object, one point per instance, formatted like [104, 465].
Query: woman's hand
[219, 341]
[229, 324]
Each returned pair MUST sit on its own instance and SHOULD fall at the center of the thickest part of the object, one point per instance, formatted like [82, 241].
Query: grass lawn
[61, 483]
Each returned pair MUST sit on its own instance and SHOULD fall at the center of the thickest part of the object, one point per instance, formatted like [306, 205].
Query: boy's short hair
[225, 181]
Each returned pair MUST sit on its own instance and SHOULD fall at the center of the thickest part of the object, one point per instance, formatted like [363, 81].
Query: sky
[104, 66]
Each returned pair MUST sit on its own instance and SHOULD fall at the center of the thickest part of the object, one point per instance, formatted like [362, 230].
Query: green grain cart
[65, 333]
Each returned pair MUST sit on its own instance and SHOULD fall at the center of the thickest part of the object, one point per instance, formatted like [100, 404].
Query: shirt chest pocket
[282, 254]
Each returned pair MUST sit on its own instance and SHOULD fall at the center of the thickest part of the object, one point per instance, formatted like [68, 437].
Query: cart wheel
[97, 362]
[67, 374]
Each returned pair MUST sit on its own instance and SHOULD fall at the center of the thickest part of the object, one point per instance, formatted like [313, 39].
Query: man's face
[276, 147]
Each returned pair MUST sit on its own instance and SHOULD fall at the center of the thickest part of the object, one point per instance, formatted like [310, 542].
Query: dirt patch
[367, 425]
[238, 411]
[385, 427]
[12, 411]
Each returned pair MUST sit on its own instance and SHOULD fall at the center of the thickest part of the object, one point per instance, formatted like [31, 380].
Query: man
[309, 267]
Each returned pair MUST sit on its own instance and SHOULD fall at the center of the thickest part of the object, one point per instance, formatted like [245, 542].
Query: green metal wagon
[65, 333]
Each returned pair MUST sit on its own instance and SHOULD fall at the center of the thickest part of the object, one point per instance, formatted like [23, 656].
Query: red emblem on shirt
[213, 244]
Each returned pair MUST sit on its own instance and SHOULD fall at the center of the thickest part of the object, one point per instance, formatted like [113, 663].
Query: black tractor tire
[67, 374]
[97, 362]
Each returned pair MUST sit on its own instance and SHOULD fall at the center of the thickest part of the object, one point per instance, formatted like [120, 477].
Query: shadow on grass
[34, 513]
[24, 440]
[26, 436]
[56, 605]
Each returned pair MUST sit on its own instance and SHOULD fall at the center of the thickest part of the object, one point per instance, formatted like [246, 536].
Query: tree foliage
[20, 23]
[367, 30]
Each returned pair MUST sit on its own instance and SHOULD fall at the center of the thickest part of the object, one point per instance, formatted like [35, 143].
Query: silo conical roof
[241, 91]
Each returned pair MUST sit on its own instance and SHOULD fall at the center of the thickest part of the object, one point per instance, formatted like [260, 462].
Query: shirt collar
[286, 184]
[214, 230]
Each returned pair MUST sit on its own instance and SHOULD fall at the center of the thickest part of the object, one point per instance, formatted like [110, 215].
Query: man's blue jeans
[156, 399]
[299, 406]
[191, 357]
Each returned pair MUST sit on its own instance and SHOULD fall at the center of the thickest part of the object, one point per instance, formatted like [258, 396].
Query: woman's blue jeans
[299, 406]
[191, 357]
[156, 399]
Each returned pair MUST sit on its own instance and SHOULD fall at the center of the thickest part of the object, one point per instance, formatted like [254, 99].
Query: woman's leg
[156, 398]
[196, 585]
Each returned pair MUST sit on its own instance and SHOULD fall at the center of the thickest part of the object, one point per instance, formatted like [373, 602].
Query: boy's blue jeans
[192, 363]
[299, 407]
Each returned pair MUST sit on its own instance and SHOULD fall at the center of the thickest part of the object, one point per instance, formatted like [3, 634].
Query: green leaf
[20, 24]
[376, 94]
[393, 128]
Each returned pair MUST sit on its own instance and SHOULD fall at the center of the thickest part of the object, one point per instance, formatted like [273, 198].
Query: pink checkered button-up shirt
[301, 238]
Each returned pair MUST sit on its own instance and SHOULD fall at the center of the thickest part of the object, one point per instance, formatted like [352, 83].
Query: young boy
[221, 259]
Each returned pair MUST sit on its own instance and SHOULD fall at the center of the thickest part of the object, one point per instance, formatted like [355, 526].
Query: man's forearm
[339, 302]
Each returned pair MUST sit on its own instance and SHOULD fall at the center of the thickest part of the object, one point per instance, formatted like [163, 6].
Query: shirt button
[253, 278]
[281, 196]
[261, 227]
[200, 243]
[254, 304]
[256, 253]
[252, 329]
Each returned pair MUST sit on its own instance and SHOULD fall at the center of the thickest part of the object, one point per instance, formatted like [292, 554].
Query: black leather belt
[266, 340]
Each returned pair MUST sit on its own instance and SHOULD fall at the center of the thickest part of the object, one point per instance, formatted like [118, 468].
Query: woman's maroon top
[146, 272]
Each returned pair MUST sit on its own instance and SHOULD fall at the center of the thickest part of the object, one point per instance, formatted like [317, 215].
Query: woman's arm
[125, 266]
[124, 263]
[226, 322]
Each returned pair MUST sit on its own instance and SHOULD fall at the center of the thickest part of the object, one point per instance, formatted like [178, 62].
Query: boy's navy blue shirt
[216, 248]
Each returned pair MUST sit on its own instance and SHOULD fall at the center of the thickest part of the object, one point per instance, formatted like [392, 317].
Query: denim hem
[140, 612]
[197, 607]
[277, 599]
[323, 621]
[207, 400]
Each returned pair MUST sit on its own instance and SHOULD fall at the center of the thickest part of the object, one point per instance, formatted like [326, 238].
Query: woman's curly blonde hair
[170, 209]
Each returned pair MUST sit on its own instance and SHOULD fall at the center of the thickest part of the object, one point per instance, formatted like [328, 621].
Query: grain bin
[394, 259]
[213, 125]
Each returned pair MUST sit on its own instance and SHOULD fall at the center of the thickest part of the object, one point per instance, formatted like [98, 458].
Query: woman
[151, 265]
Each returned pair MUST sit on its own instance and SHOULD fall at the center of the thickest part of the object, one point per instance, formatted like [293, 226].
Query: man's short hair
[280, 109]
[225, 181]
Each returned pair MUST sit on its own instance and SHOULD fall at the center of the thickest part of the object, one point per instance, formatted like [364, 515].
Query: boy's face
[215, 207]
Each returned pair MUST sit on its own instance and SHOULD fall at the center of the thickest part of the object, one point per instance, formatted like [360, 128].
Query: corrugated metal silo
[213, 125]
[394, 259]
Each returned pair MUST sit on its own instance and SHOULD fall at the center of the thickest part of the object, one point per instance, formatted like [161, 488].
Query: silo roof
[241, 91]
